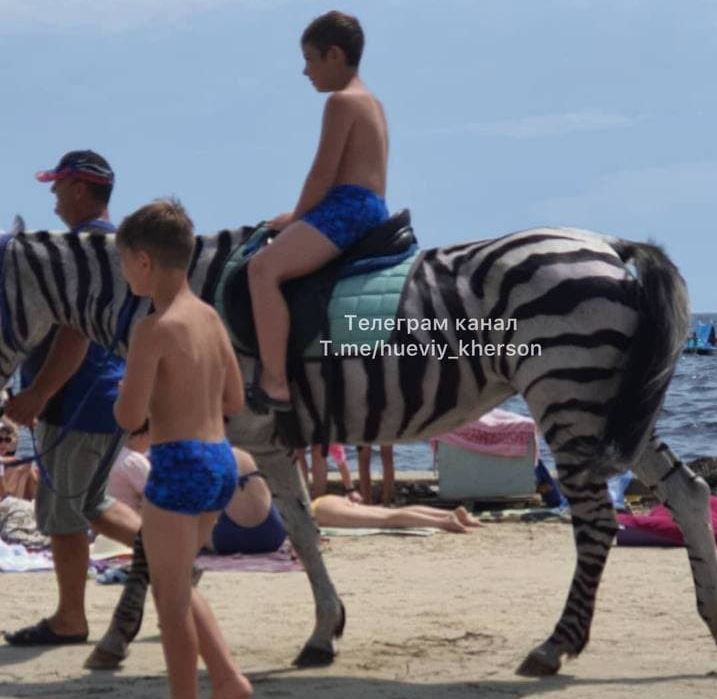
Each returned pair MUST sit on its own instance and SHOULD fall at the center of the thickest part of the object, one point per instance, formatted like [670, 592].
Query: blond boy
[183, 376]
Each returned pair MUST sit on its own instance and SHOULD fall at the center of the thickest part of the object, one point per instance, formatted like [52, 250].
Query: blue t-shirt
[96, 415]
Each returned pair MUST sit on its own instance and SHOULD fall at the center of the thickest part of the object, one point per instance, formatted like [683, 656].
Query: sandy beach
[443, 616]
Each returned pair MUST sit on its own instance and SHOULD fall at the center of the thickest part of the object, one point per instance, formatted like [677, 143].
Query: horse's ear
[18, 225]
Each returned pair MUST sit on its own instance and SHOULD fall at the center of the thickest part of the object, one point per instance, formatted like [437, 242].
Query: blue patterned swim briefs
[190, 476]
[347, 213]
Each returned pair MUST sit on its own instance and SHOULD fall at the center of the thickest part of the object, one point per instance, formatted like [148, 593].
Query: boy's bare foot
[465, 518]
[237, 687]
[451, 524]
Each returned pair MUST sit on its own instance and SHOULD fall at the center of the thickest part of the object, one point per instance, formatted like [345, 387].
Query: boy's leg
[319, 472]
[170, 567]
[364, 469]
[389, 476]
[297, 251]
[225, 677]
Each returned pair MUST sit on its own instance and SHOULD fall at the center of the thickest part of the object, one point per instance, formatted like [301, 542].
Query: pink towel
[281, 561]
[657, 526]
[498, 432]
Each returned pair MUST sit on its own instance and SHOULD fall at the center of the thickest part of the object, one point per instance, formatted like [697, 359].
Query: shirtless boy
[183, 376]
[342, 197]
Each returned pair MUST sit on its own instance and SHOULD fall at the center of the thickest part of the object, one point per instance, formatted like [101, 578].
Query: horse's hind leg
[594, 528]
[687, 497]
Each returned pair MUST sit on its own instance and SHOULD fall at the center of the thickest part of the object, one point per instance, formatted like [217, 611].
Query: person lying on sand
[337, 511]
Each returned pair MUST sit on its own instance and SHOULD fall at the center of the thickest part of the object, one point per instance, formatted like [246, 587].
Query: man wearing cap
[57, 376]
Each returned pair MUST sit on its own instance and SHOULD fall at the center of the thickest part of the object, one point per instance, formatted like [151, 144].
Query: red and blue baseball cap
[83, 164]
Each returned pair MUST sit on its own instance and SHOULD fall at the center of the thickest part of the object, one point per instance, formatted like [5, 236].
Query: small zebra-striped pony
[609, 318]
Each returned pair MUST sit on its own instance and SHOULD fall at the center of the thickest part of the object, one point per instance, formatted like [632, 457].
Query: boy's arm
[66, 354]
[233, 396]
[131, 408]
[339, 115]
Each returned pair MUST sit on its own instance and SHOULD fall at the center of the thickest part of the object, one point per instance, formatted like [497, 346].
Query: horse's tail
[663, 323]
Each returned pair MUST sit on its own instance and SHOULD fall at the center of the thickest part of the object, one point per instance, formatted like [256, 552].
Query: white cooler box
[465, 474]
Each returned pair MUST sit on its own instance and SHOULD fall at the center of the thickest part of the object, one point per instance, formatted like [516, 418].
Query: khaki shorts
[72, 466]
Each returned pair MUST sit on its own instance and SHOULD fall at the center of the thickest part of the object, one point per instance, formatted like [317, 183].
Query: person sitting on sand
[250, 523]
[337, 511]
[17, 481]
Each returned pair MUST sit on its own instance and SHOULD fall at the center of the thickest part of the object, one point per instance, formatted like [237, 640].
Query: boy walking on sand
[342, 197]
[183, 376]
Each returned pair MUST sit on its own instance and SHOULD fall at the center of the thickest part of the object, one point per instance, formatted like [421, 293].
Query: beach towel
[656, 528]
[498, 432]
[15, 558]
[281, 561]
[531, 514]
[372, 531]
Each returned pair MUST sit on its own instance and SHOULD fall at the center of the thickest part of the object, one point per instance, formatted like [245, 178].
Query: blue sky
[504, 114]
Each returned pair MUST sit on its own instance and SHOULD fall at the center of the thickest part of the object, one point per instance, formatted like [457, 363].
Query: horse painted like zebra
[609, 316]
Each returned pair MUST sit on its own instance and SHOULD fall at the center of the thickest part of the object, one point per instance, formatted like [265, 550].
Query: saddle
[385, 246]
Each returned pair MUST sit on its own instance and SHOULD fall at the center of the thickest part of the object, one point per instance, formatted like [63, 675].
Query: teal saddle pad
[355, 306]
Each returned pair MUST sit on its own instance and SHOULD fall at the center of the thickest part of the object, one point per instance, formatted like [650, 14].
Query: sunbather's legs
[463, 516]
[335, 511]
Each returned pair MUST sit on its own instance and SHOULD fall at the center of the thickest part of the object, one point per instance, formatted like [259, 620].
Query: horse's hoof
[314, 657]
[100, 659]
[538, 664]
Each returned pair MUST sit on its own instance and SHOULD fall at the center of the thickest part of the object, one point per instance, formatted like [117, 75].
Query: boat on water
[703, 339]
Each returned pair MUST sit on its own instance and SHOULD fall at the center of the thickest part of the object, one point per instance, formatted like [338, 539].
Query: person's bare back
[193, 354]
[364, 158]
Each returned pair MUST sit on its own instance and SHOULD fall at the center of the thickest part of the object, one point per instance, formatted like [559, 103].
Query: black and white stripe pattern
[608, 316]
[75, 280]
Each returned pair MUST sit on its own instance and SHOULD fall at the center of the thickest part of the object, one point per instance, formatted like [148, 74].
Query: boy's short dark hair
[336, 29]
[161, 228]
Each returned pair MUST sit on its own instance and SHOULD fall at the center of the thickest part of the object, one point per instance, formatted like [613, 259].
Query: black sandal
[42, 635]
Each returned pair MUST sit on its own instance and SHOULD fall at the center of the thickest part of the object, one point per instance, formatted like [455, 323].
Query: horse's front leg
[277, 465]
[126, 621]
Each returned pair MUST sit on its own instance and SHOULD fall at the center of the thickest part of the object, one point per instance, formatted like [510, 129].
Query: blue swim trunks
[346, 214]
[191, 476]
